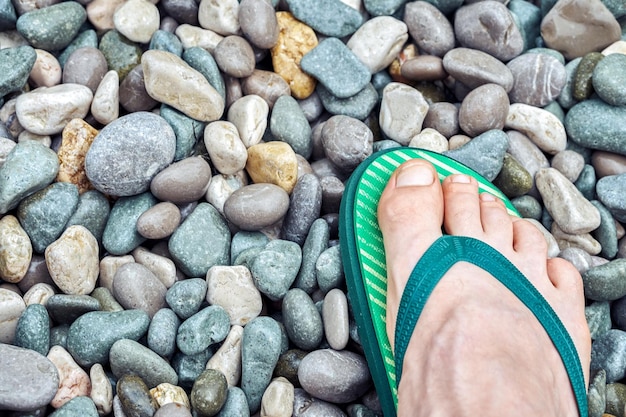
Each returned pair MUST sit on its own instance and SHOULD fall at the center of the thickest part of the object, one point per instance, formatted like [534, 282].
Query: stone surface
[329, 17]
[120, 235]
[273, 163]
[302, 321]
[484, 108]
[134, 396]
[182, 182]
[53, 27]
[604, 355]
[232, 288]
[226, 149]
[209, 391]
[256, 206]
[16, 65]
[538, 79]
[73, 380]
[16, 250]
[129, 357]
[275, 267]
[474, 68]
[542, 127]
[398, 102]
[429, 28]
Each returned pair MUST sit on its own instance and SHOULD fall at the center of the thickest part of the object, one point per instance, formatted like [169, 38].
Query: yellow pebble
[273, 162]
[167, 393]
[76, 139]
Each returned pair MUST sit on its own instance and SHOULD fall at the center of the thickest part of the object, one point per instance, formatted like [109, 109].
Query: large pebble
[275, 267]
[232, 288]
[34, 374]
[46, 110]
[402, 112]
[127, 154]
[595, 124]
[484, 108]
[608, 79]
[474, 68]
[208, 393]
[136, 287]
[120, 235]
[129, 357]
[605, 354]
[205, 328]
[16, 250]
[266, 84]
[603, 282]
[33, 329]
[429, 28]
[256, 206]
[258, 23]
[303, 322]
[610, 192]
[336, 376]
[347, 141]
[15, 65]
[329, 17]
[85, 66]
[11, 308]
[185, 297]
[377, 42]
[226, 149]
[52, 28]
[137, 20]
[187, 91]
[542, 127]
[273, 163]
[182, 182]
[539, 79]
[73, 380]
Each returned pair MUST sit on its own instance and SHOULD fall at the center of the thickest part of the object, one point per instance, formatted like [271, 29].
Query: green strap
[440, 257]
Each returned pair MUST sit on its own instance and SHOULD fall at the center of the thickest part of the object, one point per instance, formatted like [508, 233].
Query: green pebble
[289, 124]
[77, 406]
[513, 179]
[121, 54]
[609, 79]
[209, 392]
[605, 282]
[202, 61]
[329, 17]
[527, 206]
[275, 268]
[166, 41]
[596, 124]
[106, 300]
[58, 335]
[65, 308]
[189, 367]
[329, 269]
[135, 397]
[188, 131]
[185, 297]
[87, 38]
[244, 240]
[15, 66]
[583, 78]
[120, 234]
[615, 398]
[302, 320]
[316, 242]
[606, 233]
[53, 27]
[598, 317]
[566, 98]
[205, 328]
[556, 110]
[7, 16]
[359, 106]
[129, 357]
[484, 153]
[247, 256]
[43, 215]
[92, 213]
[33, 329]
[162, 332]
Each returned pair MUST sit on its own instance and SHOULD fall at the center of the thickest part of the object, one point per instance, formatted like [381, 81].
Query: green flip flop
[363, 259]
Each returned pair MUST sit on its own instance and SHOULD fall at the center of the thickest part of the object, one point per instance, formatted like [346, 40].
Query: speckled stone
[603, 282]
[66, 308]
[33, 329]
[329, 270]
[538, 79]
[189, 367]
[288, 124]
[513, 180]
[275, 267]
[606, 233]
[302, 320]
[134, 396]
[208, 393]
[307, 405]
[582, 85]
[53, 27]
[304, 208]
[121, 54]
[205, 328]
[120, 235]
[92, 213]
[598, 316]
[226, 150]
[610, 193]
[129, 357]
[166, 41]
[256, 206]
[329, 17]
[347, 142]
[161, 336]
[359, 106]
[485, 153]
[15, 66]
[595, 124]
[609, 77]
[316, 242]
[236, 403]
[474, 68]
[605, 354]
[81, 405]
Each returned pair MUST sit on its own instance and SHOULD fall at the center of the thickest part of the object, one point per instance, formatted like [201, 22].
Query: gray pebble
[305, 204]
[527, 206]
[306, 405]
[429, 28]
[329, 269]
[65, 308]
[243, 240]
[77, 406]
[336, 319]
[85, 66]
[444, 118]
[302, 320]
[485, 153]
[606, 233]
[120, 235]
[258, 23]
[609, 79]
[129, 357]
[266, 84]
[188, 131]
[205, 328]
[182, 182]
[604, 282]
[82, 40]
[159, 221]
[539, 79]
[92, 212]
[316, 242]
[161, 337]
[596, 394]
[173, 410]
[136, 287]
[569, 163]
[289, 124]
[52, 28]
[610, 192]
[189, 367]
[347, 142]
[133, 94]
[275, 267]
[598, 317]
[331, 18]
[184, 11]
[234, 56]
[484, 108]
[15, 66]
[202, 61]
[185, 297]
[474, 68]
[357, 106]
[606, 354]
[256, 206]
[597, 125]
[166, 41]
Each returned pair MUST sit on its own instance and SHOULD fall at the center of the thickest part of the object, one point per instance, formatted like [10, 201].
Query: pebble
[172, 410]
[77, 137]
[136, 287]
[357, 106]
[73, 380]
[474, 68]
[335, 376]
[398, 102]
[208, 394]
[235, 56]
[182, 182]
[120, 235]
[121, 54]
[336, 319]
[46, 71]
[608, 79]
[185, 297]
[598, 316]
[260, 349]
[85, 66]
[191, 36]
[278, 399]
[595, 124]
[12, 306]
[259, 23]
[81, 405]
[205, 328]
[488, 99]
[189, 367]
[306, 405]
[189, 92]
[583, 76]
[429, 28]
[304, 208]
[603, 283]
[16, 250]
[137, 20]
[609, 189]
[134, 396]
[608, 163]
[542, 127]
[347, 141]
[159, 221]
[606, 233]
[232, 288]
[597, 394]
[378, 41]
[162, 267]
[538, 79]
[101, 389]
[605, 355]
[302, 320]
[33, 329]
[329, 270]
[65, 308]
[226, 149]
[133, 96]
[328, 17]
[220, 17]
[275, 267]
[266, 84]
[615, 398]
[513, 179]
[273, 163]
[485, 153]
[106, 100]
[316, 242]
[256, 206]
[39, 294]
[15, 64]
[289, 124]
[227, 359]
[53, 27]
[161, 337]
[249, 115]
[167, 394]
[129, 357]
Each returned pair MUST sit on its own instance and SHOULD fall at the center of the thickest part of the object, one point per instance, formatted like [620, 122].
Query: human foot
[476, 349]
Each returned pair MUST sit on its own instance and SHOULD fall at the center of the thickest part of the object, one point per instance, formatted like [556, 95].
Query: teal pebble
[162, 332]
[188, 131]
[289, 124]
[329, 269]
[185, 297]
[166, 41]
[202, 61]
[329, 17]
[358, 106]
[611, 191]
[384, 7]
[91, 336]
[585, 152]
[302, 320]
[65, 308]
[260, 350]
[120, 234]
[247, 256]
[528, 19]
[597, 125]
[58, 335]
[616, 7]
[566, 98]
[485, 153]
[87, 38]
[7, 16]
[609, 79]
[77, 406]
[527, 206]
[53, 27]
[546, 6]
[43, 215]
[334, 65]
[605, 282]
[596, 395]
[201, 241]
[33, 329]
[129, 357]
[380, 80]
[316, 242]
[381, 145]
[606, 233]
[189, 367]
[121, 54]
[275, 268]
[236, 404]
[92, 213]
[243, 240]
[205, 328]
[15, 66]
[598, 317]
[28, 168]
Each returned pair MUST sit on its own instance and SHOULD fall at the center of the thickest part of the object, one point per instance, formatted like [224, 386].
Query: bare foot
[477, 350]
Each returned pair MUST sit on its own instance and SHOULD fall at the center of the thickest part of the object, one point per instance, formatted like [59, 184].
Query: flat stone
[120, 235]
[15, 65]
[474, 68]
[275, 267]
[329, 17]
[256, 206]
[485, 153]
[359, 106]
[232, 288]
[53, 27]
[542, 127]
[129, 357]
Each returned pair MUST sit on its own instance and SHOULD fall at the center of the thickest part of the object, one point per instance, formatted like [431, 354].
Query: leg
[476, 349]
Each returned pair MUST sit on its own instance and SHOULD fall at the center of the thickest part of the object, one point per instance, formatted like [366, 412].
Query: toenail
[463, 179]
[414, 175]
[487, 198]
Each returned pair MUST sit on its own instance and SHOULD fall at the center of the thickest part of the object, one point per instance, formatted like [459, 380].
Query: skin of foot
[477, 350]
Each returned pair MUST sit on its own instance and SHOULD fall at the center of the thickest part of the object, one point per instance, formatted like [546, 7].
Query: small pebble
[182, 182]
[205, 328]
[134, 396]
[136, 287]
[208, 394]
[73, 380]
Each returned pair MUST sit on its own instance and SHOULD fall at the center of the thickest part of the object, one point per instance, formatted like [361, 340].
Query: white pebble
[278, 398]
[105, 106]
[101, 390]
[542, 127]
[227, 359]
[431, 140]
[11, 308]
[232, 288]
[226, 150]
[220, 16]
[378, 41]
[402, 112]
[191, 36]
[164, 268]
[249, 115]
[137, 20]
[39, 293]
[47, 71]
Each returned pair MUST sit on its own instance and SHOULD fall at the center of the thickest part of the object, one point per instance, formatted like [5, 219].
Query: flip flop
[363, 258]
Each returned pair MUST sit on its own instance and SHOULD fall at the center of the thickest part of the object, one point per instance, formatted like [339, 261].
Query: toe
[497, 223]
[462, 206]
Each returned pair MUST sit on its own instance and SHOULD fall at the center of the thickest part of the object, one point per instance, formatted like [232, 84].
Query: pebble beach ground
[171, 173]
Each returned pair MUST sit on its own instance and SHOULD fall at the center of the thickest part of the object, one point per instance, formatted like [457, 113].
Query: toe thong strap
[440, 257]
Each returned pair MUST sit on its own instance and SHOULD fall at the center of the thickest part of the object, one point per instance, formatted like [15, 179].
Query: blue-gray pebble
[605, 282]
[598, 317]
[8, 16]
[607, 353]
[33, 329]
[205, 328]
[120, 234]
[333, 64]
[53, 27]
[302, 320]
[260, 350]
[236, 404]
[358, 106]
[189, 367]
[15, 66]
[289, 124]
[611, 191]
[329, 269]
[92, 212]
[244, 240]
[329, 17]
[586, 182]
[166, 41]
[201, 241]
[185, 297]
[77, 406]
[28, 168]
[485, 153]
[566, 98]
[275, 268]
[188, 131]
[606, 233]
[129, 357]
[305, 204]
[43, 215]
[609, 79]
[91, 336]
[162, 332]
[597, 125]
[202, 61]
[316, 242]
[528, 18]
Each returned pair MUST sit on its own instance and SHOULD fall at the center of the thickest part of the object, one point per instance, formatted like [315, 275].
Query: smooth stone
[106, 100]
[208, 393]
[605, 354]
[101, 389]
[596, 395]
[431, 140]
[527, 17]
[258, 23]
[120, 235]
[39, 294]
[398, 101]
[246, 240]
[137, 20]
[92, 213]
[332, 191]
[121, 54]
[191, 94]
[334, 65]
[595, 124]
[488, 26]
[474, 68]
[579, 258]
[33, 329]
[513, 180]
[129, 357]
[16, 250]
[615, 398]
[275, 268]
[46, 110]
[347, 142]
[43, 214]
[161, 337]
[603, 282]
[188, 131]
[161, 266]
[567, 240]
[173, 410]
[273, 163]
[382, 7]
[609, 77]
[76, 139]
[58, 335]
[423, 68]
[222, 186]
[73, 380]
[7, 16]
[598, 316]
[106, 300]
[235, 404]
[359, 106]
[260, 349]
[84, 39]
[167, 394]
[538, 79]
[610, 193]
[12, 307]
[235, 56]
[378, 41]
[328, 17]
[220, 17]
[166, 41]
[201, 241]
[329, 270]
[288, 363]
[606, 233]
[191, 36]
[36, 376]
[249, 114]
[485, 153]
[16, 65]
[189, 367]
[608, 163]
[159, 221]
[108, 267]
[565, 29]
[256, 206]
[278, 399]
[227, 359]
[133, 96]
[202, 61]
[226, 149]
[82, 405]
[335, 376]
[583, 76]
[542, 127]
[134, 396]
[526, 152]
[569, 163]
[182, 182]
[485, 108]
[205, 328]
[336, 319]
[304, 208]
[52, 28]
[302, 320]
[295, 40]
[39, 166]
[429, 28]
[289, 124]
[232, 288]
[85, 66]
[136, 287]
[185, 297]
[153, 143]
[91, 336]
[66, 308]
[309, 406]
[315, 243]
